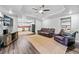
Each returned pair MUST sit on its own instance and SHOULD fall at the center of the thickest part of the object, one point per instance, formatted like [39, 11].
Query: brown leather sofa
[49, 32]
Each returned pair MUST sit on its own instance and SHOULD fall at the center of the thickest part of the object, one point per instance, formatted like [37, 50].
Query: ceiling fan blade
[34, 8]
[46, 10]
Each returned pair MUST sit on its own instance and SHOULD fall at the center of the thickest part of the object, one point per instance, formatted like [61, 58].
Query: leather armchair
[66, 39]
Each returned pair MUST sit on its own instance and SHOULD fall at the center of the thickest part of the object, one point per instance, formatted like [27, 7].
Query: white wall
[55, 23]
[52, 23]
[15, 23]
[1, 28]
[75, 24]
[38, 25]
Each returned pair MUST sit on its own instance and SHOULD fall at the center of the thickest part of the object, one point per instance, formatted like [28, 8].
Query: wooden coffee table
[45, 45]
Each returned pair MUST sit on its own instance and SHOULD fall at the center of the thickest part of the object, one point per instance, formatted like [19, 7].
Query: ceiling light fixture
[41, 11]
[70, 12]
[10, 12]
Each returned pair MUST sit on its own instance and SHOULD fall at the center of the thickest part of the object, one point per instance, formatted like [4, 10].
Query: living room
[56, 21]
[39, 29]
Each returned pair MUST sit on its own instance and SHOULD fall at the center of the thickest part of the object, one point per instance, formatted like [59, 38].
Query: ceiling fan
[41, 9]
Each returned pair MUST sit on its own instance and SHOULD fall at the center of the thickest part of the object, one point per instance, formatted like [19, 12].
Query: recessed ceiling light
[10, 11]
[70, 12]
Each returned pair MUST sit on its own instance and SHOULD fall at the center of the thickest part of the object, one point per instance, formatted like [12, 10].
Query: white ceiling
[27, 11]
